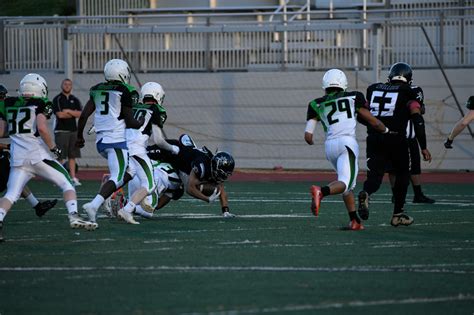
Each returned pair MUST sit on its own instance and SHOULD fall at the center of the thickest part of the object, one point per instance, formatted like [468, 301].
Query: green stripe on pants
[121, 161]
[58, 167]
[147, 170]
[352, 160]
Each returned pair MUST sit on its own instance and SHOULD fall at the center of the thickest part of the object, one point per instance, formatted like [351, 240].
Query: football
[207, 188]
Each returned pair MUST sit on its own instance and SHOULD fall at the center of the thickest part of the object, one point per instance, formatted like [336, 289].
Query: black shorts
[4, 169]
[66, 141]
[387, 153]
[415, 158]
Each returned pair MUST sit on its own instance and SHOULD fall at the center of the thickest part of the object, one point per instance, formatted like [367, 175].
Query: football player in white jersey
[151, 111]
[112, 102]
[41, 207]
[337, 111]
[28, 130]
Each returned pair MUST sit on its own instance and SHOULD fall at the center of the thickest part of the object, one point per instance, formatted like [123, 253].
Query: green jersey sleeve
[312, 112]
[159, 116]
[44, 106]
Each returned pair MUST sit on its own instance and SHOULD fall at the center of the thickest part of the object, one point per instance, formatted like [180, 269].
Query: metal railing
[65, 43]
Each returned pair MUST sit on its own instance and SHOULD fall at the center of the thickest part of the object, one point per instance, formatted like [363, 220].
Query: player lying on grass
[461, 124]
[27, 116]
[337, 111]
[198, 169]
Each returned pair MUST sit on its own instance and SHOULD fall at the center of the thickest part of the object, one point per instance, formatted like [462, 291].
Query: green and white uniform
[29, 155]
[109, 99]
[140, 166]
[337, 113]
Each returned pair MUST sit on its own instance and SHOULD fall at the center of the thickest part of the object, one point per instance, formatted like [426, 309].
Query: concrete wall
[260, 116]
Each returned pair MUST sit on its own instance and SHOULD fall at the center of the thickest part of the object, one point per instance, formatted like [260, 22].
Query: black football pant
[391, 149]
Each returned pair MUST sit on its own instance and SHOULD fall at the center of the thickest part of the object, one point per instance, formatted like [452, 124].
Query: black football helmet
[222, 166]
[400, 71]
[3, 91]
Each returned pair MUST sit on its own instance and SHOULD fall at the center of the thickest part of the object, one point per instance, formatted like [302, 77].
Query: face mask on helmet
[152, 91]
[33, 85]
[222, 166]
[117, 70]
[334, 78]
[400, 72]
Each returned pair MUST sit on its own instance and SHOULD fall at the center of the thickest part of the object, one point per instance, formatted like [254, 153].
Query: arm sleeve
[419, 126]
[419, 96]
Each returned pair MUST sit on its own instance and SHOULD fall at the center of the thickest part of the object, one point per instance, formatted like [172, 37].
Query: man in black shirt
[67, 108]
[394, 103]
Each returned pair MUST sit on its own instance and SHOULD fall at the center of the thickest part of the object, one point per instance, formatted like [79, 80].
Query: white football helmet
[153, 90]
[117, 70]
[334, 78]
[33, 85]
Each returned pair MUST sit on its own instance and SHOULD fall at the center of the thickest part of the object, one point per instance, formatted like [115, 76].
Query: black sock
[353, 216]
[325, 191]
[417, 190]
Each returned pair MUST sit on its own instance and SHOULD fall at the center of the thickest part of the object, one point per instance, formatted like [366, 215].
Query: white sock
[129, 207]
[97, 201]
[32, 200]
[3, 213]
[71, 206]
[139, 210]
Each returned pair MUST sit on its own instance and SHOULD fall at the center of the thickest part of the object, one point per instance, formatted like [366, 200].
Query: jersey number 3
[105, 104]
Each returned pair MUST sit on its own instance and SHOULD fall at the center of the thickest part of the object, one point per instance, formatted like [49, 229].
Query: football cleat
[107, 206]
[423, 199]
[363, 205]
[139, 211]
[316, 197]
[1, 232]
[401, 219]
[76, 222]
[127, 216]
[91, 211]
[146, 206]
[42, 207]
[356, 226]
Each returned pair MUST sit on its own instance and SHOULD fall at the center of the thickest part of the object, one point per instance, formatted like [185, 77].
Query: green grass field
[273, 258]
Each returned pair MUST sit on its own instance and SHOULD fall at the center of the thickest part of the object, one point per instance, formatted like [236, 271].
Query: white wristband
[310, 126]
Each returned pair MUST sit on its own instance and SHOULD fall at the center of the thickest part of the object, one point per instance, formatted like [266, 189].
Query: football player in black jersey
[415, 158]
[199, 166]
[394, 103]
[461, 124]
[41, 207]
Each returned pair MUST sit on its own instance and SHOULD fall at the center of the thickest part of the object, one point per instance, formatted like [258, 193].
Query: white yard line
[343, 305]
[199, 269]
